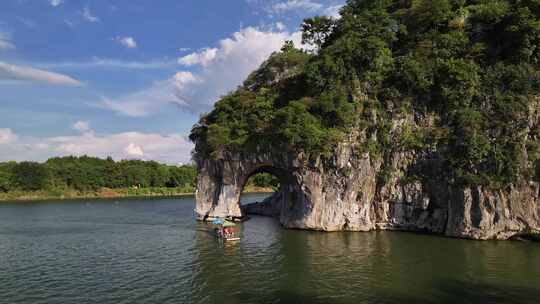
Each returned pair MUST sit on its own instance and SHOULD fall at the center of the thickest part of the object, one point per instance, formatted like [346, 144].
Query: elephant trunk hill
[408, 115]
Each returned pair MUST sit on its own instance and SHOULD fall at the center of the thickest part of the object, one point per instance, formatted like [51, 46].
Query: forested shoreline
[75, 177]
[89, 177]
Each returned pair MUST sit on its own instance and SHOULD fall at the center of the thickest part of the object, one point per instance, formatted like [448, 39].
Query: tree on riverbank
[90, 174]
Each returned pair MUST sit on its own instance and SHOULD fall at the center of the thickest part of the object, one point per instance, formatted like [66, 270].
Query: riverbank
[43, 195]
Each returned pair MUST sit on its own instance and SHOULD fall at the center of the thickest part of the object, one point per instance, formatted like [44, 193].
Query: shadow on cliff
[443, 292]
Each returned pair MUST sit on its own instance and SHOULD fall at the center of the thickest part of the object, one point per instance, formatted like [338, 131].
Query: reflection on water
[152, 251]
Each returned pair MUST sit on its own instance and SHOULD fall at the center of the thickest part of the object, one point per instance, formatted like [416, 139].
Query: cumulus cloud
[291, 5]
[149, 100]
[134, 150]
[56, 2]
[89, 16]
[81, 126]
[216, 72]
[171, 148]
[13, 72]
[5, 42]
[167, 148]
[128, 42]
[183, 79]
[204, 57]
[234, 59]
[7, 136]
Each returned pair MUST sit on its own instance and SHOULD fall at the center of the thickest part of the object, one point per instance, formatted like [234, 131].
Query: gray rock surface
[344, 192]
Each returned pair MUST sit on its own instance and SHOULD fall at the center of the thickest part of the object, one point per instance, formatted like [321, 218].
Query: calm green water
[152, 251]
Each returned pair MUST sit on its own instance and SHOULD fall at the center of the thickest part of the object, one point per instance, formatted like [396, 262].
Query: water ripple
[154, 252]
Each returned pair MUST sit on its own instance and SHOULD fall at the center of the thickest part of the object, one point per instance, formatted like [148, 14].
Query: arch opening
[261, 190]
[262, 182]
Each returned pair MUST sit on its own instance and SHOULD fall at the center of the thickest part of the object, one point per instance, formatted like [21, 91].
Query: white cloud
[149, 100]
[134, 150]
[204, 58]
[234, 60]
[128, 42]
[81, 126]
[280, 26]
[217, 72]
[184, 79]
[88, 16]
[167, 148]
[5, 42]
[7, 136]
[290, 5]
[110, 63]
[13, 72]
[172, 148]
[56, 2]
[333, 11]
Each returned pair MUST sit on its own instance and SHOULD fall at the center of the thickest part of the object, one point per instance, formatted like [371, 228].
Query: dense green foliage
[263, 180]
[90, 174]
[59, 176]
[472, 64]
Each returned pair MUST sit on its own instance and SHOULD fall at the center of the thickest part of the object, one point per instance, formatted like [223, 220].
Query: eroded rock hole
[259, 187]
[264, 192]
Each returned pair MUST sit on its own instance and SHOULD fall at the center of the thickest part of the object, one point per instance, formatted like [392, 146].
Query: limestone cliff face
[346, 192]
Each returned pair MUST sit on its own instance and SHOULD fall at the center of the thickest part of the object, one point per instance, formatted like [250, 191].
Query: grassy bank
[102, 193]
[109, 193]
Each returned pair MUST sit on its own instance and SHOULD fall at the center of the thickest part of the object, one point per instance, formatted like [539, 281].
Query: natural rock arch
[271, 206]
[310, 197]
[282, 175]
[342, 192]
[221, 182]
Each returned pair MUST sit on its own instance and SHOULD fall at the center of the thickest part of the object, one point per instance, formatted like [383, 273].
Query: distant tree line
[89, 174]
[264, 180]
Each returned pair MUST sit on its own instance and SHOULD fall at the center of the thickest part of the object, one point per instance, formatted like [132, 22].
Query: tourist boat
[226, 230]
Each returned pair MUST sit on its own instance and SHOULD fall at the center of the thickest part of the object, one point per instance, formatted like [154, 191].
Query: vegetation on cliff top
[472, 64]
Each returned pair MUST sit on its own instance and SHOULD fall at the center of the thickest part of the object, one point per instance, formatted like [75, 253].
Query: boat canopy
[222, 222]
[229, 224]
[218, 221]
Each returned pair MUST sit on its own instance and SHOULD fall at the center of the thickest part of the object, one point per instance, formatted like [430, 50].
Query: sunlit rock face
[346, 192]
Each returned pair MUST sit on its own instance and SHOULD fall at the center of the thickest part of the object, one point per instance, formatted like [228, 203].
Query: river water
[152, 251]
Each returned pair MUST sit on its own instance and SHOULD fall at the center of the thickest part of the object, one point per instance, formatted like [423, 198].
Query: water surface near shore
[152, 251]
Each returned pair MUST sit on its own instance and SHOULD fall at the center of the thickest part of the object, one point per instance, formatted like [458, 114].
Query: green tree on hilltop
[472, 64]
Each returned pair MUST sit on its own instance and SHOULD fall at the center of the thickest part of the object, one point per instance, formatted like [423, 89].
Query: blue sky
[129, 78]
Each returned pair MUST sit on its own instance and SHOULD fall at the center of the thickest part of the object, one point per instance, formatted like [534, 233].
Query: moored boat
[226, 230]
